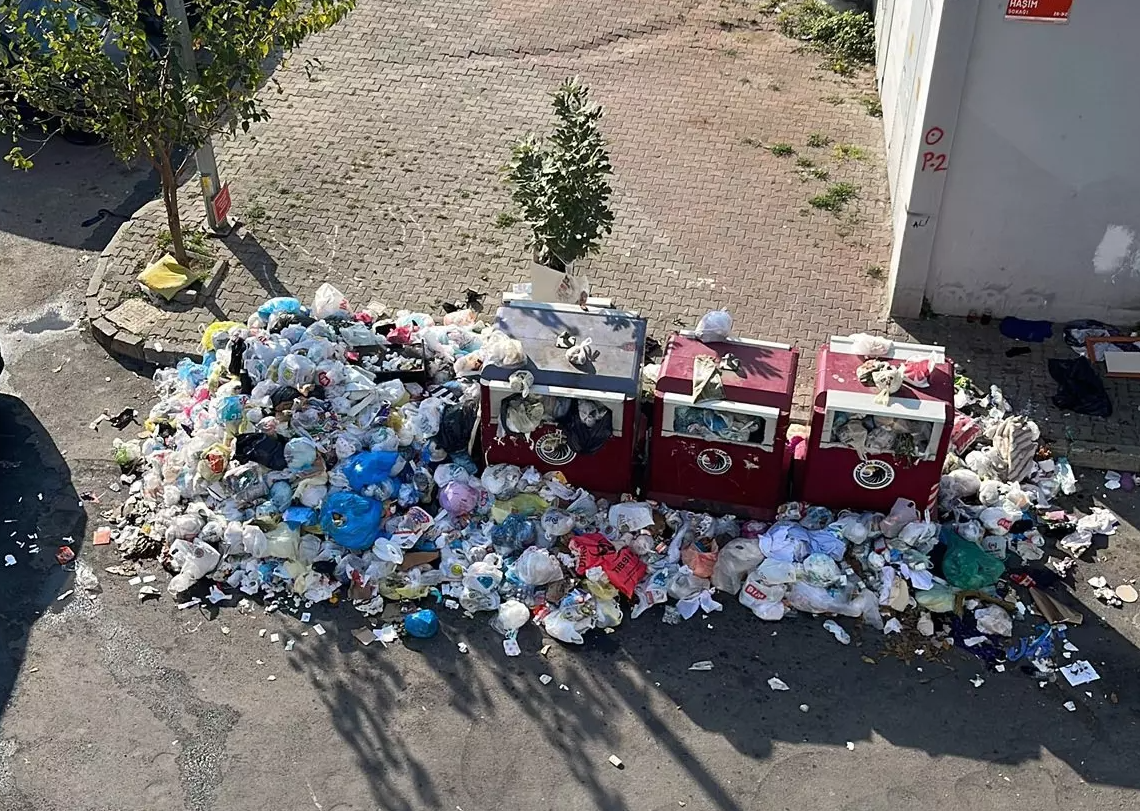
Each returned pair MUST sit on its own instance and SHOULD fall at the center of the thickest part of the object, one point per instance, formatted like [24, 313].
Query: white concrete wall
[923, 48]
[1040, 211]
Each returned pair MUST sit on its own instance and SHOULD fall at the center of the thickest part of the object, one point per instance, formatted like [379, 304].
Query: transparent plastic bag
[902, 513]
[820, 569]
[871, 346]
[537, 567]
[735, 559]
[715, 325]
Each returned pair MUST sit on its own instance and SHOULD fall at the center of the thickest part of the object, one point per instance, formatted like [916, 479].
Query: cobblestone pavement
[380, 172]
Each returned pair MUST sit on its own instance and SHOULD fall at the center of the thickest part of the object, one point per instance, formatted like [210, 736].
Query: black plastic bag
[237, 354]
[456, 425]
[283, 395]
[268, 451]
[587, 433]
[1079, 387]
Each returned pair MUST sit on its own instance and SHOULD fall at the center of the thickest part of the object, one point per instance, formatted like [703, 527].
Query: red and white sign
[1042, 11]
[221, 204]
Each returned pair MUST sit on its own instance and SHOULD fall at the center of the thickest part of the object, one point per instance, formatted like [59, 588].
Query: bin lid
[837, 373]
[767, 370]
[618, 338]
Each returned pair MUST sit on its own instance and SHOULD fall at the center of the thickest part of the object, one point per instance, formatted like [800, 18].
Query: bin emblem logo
[874, 474]
[553, 449]
[714, 461]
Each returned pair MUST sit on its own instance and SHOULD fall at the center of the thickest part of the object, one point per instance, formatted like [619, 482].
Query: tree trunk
[170, 198]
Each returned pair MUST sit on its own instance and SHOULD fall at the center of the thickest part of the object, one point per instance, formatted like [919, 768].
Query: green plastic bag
[966, 565]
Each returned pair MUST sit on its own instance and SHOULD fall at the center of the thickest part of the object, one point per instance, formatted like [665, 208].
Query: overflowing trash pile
[323, 454]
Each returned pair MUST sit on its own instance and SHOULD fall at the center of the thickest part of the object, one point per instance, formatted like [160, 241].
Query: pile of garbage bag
[304, 461]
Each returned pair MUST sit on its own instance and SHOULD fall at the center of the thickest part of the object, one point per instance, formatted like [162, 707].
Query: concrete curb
[121, 341]
[1105, 456]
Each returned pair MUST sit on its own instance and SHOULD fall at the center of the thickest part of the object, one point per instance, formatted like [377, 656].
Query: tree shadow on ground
[500, 710]
[38, 506]
[75, 196]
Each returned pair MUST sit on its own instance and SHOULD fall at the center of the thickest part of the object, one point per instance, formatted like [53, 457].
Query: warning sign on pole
[222, 204]
[1041, 11]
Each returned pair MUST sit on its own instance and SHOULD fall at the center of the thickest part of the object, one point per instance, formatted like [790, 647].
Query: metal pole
[204, 157]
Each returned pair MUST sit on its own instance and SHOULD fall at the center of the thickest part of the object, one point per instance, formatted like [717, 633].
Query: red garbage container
[864, 455]
[724, 455]
[583, 421]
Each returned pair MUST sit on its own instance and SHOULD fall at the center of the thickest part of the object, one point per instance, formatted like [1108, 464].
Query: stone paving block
[382, 175]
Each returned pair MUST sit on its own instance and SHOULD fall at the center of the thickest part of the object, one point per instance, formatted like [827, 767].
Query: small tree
[562, 186]
[117, 74]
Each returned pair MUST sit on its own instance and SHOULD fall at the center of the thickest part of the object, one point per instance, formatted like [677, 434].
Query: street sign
[221, 204]
[1042, 11]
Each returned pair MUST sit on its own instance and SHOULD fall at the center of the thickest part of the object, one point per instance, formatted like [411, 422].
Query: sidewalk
[382, 176]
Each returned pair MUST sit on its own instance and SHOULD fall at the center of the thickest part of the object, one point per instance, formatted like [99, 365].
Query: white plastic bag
[765, 601]
[499, 349]
[773, 572]
[871, 346]
[501, 481]
[329, 301]
[920, 535]
[999, 519]
[296, 370]
[715, 325]
[960, 483]
[537, 567]
[193, 560]
[562, 628]
[995, 620]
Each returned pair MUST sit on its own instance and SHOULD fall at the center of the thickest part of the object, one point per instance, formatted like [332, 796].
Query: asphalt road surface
[108, 704]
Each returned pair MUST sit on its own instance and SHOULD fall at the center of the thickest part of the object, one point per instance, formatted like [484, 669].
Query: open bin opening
[904, 428]
[720, 421]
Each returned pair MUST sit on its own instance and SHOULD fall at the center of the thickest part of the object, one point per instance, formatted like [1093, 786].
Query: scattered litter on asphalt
[1079, 672]
[615, 761]
[9, 560]
[320, 455]
[777, 683]
[546, 678]
[1070, 706]
[836, 630]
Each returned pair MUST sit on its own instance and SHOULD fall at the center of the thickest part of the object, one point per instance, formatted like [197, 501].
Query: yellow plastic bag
[213, 330]
[167, 278]
[525, 504]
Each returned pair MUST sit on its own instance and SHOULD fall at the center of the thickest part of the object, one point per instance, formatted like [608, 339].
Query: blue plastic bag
[368, 468]
[422, 624]
[191, 373]
[350, 520]
[281, 304]
[297, 517]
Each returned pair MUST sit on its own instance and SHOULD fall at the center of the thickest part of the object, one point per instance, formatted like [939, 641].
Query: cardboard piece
[1054, 611]
[414, 559]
